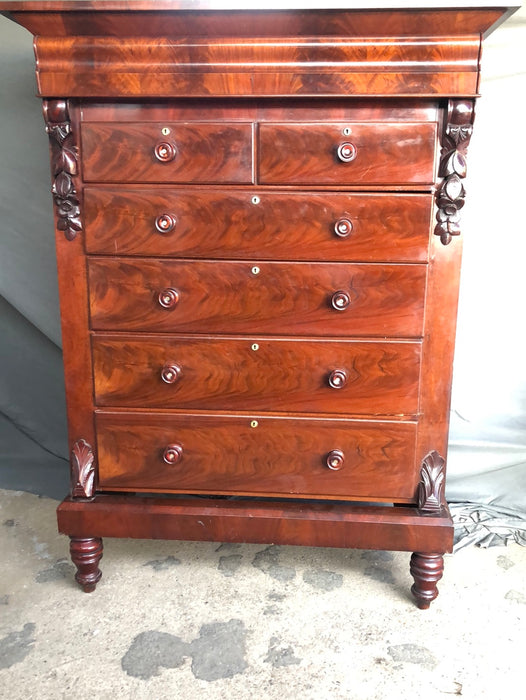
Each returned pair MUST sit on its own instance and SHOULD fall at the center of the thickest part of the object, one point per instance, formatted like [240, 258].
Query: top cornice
[412, 18]
[224, 5]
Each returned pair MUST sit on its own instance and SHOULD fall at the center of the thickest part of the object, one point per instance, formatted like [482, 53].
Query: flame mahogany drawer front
[188, 152]
[376, 154]
[261, 224]
[257, 374]
[256, 455]
[241, 297]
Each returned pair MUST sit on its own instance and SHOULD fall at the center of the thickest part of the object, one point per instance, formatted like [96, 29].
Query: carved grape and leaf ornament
[64, 164]
[451, 195]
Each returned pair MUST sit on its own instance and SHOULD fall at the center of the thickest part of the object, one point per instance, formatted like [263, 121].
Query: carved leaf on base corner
[432, 483]
[82, 470]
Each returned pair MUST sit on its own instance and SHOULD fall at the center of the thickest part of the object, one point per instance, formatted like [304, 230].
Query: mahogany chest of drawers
[258, 238]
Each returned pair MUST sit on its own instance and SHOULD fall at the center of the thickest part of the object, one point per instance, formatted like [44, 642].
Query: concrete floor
[204, 620]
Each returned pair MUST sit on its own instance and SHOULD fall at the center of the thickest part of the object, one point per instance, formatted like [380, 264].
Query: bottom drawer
[259, 455]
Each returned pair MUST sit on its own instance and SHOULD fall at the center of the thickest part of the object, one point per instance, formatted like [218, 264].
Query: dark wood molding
[453, 168]
[281, 521]
[432, 484]
[301, 66]
[64, 167]
[82, 471]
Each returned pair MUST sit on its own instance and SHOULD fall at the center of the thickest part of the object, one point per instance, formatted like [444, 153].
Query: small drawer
[195, 152]
[257, 455]
[214, 297]
[265, 225]
[347, 154]
[247, 374]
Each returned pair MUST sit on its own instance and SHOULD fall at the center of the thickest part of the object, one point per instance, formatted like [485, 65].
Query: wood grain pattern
[145, 67]
[204, 152]
[439, 345]
[225, 55]
[280, 226]
[266, 297]
[385, 153]
[256, 374]
[263, 85]
[278, 456]
[322, 524]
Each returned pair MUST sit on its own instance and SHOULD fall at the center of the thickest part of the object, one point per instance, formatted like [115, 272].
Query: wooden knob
[340, 300]
[172, 454]
[168, 298]
[165, 151]
[343, 228]
[337, 378]
[346, 152]
[170, 373]
[335, 460]
[165, 223]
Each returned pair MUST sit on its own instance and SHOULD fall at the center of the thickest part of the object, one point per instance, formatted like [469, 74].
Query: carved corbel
[451, 194]
[64, 167]
[82, 471]
[432, 484]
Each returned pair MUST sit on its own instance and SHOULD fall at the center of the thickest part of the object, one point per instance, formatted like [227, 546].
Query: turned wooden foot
[426, 569]
[86, 552]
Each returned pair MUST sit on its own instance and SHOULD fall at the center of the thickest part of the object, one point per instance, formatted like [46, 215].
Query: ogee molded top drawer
[380, 153]
[197, 152]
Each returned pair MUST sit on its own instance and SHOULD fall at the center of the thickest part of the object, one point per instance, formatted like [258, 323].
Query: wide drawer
[266, 225]
[328, 299]
[257, 455]
[380, 153]
[197, 152]
[257, 374]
